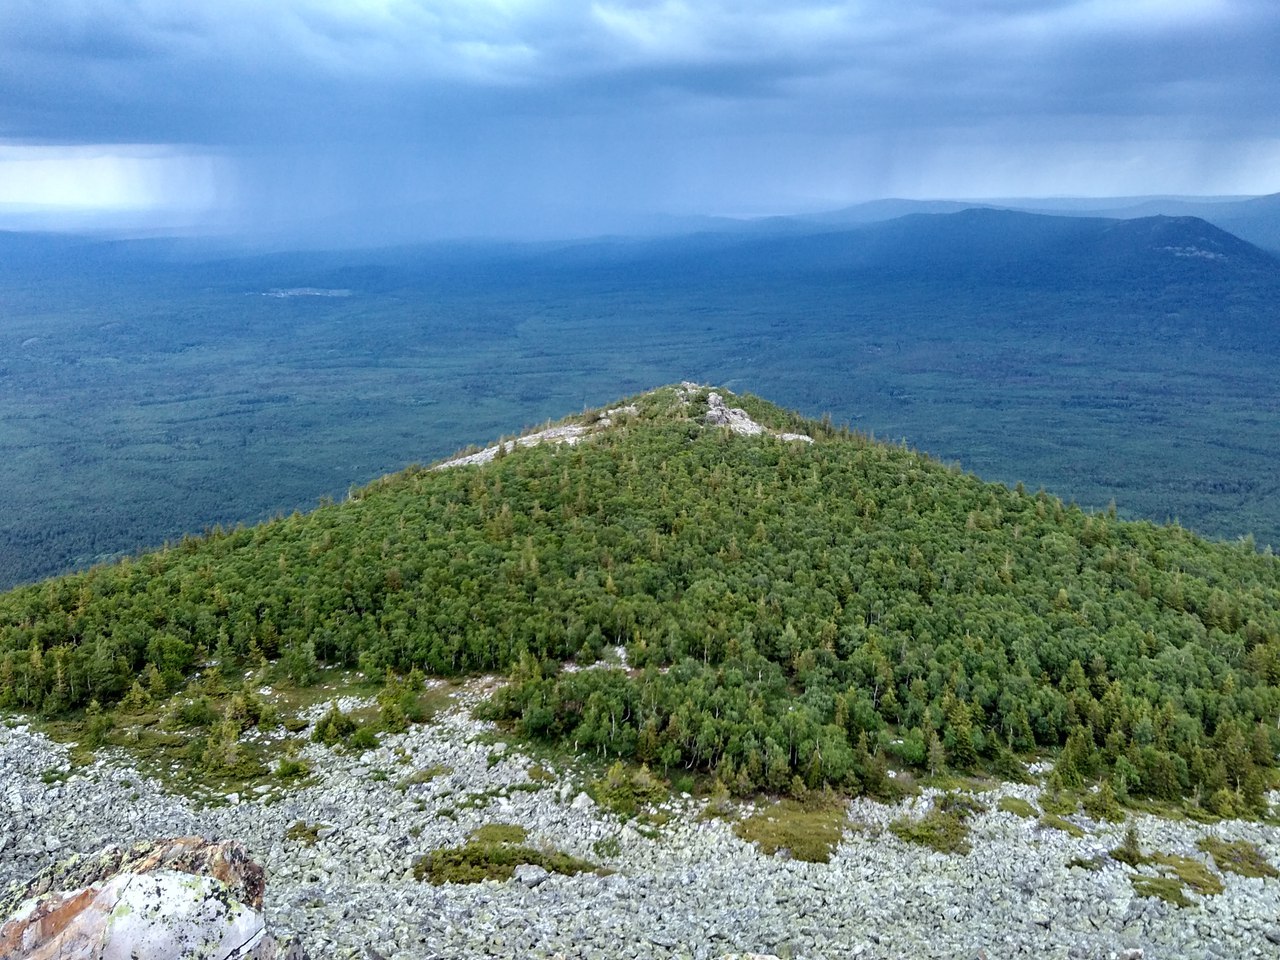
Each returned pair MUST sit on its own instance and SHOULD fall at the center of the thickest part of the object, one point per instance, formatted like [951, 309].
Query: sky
[546, 117]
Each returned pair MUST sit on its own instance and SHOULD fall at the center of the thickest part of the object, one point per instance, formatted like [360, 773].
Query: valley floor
[692, 889]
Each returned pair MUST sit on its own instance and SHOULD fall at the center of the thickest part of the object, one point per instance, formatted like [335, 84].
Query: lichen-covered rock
[162, 900]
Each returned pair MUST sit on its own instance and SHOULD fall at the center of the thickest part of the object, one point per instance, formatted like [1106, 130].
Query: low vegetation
[304, 833]
[808, 829]
[1018, 807]
[1052, 821]
[425, 775]
[1238, 856]
[627, 791]
[492, 852]
[1174, 874]
[944, 827]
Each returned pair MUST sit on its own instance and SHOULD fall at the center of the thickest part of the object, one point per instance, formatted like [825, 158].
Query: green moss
[937, 829]
[1055, 822]
[1239, 857]
[1163, 888]
[807, 830]
[1018, 807]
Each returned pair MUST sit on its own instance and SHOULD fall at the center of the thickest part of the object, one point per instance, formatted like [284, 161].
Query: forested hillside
[793, 614]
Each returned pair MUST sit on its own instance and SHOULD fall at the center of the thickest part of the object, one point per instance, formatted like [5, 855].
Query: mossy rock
[806, 830]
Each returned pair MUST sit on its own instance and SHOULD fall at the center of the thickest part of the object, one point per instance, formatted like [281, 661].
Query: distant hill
[792, 605]
[1009, 245]
[1255, 219]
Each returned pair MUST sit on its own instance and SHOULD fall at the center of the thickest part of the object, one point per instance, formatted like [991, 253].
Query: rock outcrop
[720, 414]
[162, 900]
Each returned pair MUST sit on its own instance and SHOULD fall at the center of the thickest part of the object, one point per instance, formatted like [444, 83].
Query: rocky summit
[342, 859]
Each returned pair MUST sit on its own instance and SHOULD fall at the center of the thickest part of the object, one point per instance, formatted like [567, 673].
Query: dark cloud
[629, 104]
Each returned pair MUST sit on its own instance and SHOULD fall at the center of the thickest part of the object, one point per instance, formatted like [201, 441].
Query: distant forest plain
[144, 396]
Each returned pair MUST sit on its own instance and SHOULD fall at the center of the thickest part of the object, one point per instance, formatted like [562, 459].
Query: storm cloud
[504, 114]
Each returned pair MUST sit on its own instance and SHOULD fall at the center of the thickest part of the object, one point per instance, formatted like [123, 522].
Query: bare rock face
[179, 898]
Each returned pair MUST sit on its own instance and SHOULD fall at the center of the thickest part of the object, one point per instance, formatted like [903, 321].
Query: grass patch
[807, 830]
[1054, 822]
[1239, 857]
[1018, 807]
[944, 828]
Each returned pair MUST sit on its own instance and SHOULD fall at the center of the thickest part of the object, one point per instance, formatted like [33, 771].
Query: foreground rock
[163, 900]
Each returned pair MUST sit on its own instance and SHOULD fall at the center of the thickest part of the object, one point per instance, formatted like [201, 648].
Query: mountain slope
[794, 613]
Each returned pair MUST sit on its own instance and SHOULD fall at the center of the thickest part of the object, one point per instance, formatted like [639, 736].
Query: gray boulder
[178, 898]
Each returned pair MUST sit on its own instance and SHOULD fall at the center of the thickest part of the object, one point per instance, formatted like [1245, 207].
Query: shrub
[363, 739]
[1102, 804]
[624, 790]
[291, 768]
[334, 727]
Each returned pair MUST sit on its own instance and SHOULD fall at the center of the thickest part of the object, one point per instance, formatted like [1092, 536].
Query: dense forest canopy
[792, 614]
